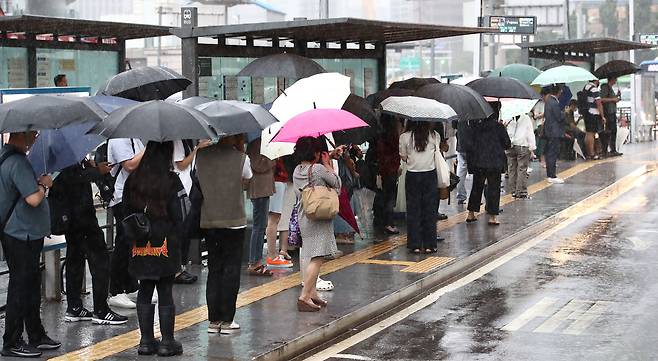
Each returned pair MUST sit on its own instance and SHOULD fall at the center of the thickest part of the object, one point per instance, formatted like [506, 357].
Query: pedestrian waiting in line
[522, 136]
[609, 99]
[554, 131]
[24, 224]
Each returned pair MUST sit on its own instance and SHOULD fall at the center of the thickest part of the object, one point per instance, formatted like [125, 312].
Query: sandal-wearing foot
[391, 230]
[431, 250]
[415, 251]
[494, 223]
[285, 255]
[260, 271]
[319, 301]
[471, 220]
[303, 306]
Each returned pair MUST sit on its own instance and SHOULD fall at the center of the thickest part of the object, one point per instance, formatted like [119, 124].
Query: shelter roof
[349, 30]
[583, 46]
[38, 25]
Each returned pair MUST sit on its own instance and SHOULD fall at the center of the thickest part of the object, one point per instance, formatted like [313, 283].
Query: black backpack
[582, 103]
[105, 184]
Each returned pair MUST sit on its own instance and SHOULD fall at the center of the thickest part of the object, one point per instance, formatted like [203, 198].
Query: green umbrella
[563, 74]
[522, 72]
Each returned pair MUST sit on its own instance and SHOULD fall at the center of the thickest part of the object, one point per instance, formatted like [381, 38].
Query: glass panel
[13, 67]
[82, 67]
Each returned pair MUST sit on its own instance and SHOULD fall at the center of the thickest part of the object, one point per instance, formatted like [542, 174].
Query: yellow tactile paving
[130, 339]
[428, 264]
[386, 262]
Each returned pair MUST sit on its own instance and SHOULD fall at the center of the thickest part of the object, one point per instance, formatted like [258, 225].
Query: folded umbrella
[158, 121]
[615, 69]
[563, 74]
[320, 91]
[466, 102]
[317, 122]
[345, 210]
[503, 87]
[418, 109]
[145, 83]
[236, 117]
[40, 112]
[285, 65]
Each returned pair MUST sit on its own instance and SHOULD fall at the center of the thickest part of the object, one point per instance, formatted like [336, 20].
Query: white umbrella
[563, 74]
[509, 108]
[465, 80]
[419, 109]
[320, 91]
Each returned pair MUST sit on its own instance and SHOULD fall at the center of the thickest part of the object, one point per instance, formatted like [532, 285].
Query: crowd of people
[190, 189]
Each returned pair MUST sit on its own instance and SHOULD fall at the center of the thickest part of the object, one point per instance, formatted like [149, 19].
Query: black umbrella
[156, 120]
[284, 65]
[362, 109]
[413, 83]
[376, 98]
[616, 68]
[466, 102]
[235, 117]
[195, 101]
[47, 112]
[146, 83]
[503, 87]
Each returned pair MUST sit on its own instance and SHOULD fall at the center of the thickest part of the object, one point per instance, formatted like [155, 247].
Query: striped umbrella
[418, 109]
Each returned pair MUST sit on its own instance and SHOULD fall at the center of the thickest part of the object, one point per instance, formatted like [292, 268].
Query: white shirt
[418, 161]
[593, 94]
[185, 173]
[521, 132]
[118, 151]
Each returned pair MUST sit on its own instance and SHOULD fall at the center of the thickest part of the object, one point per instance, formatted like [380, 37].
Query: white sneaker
[322, 285]
[228, 328]
[154, 298]
[555, 180]
[121, 300]
[133, 296]
[529, 170]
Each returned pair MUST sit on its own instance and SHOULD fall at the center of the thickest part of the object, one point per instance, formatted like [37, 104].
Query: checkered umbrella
[418, 109]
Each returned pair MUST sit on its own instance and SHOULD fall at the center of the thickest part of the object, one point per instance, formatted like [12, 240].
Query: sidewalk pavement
[372, 277]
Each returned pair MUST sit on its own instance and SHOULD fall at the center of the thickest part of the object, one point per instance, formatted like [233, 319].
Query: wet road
[586, 291]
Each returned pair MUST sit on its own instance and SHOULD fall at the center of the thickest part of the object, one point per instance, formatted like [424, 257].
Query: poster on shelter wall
[44, 75]
[17, 73]
[230, 87]
[258, 90]
[350, 73]
[369, 86]
[67, 65]
[244, 89]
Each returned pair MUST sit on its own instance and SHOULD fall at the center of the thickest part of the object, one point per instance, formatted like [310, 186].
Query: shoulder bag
[137, 226]
[320, 202]
[442, 169]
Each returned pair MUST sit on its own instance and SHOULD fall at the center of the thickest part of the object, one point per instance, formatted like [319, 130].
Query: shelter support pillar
[381, 66]
[190, 66]
[121, 55]
[31, 62]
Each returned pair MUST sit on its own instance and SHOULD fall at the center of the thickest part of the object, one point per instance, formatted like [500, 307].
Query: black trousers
[224, 263]
[87, 243]
[384, 203]
[609, 136]
[165, 287]
[492, 195]
[121, 281]
[422, 211]
[23, 311]
[551, 155]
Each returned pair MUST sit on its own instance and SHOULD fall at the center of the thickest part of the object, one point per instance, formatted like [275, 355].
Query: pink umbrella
[317, 122]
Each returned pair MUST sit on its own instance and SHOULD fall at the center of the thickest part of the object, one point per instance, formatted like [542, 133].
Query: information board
[651, 39]
[511, 24]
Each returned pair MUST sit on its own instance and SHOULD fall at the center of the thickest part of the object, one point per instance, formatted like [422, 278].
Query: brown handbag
[320, 202]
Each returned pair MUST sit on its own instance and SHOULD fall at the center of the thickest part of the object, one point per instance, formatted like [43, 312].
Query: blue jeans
[261, 208]
[462, 171]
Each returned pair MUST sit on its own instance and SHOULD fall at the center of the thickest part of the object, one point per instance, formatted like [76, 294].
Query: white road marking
[586, 319]
[478, 273]
[571, 311]
[538, 310]
[639, 244]
[353, 357]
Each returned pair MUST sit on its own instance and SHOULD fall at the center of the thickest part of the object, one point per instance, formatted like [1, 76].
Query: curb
[323, 334]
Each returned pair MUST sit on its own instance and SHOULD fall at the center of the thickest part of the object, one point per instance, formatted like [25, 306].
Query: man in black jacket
[554, 129]
[72, 206]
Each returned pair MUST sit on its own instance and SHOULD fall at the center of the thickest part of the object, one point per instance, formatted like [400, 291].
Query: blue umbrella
[565, 97]
[56, 149]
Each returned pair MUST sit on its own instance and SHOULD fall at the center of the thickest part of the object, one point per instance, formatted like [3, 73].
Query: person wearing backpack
[74, 215]
[24, 222]
[609, 99]
[594, 116]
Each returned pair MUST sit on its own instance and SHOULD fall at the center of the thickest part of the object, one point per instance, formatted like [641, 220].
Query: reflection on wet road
[585, 291]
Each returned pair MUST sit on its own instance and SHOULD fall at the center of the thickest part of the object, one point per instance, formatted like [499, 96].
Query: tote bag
[320, 202]
[442, 169]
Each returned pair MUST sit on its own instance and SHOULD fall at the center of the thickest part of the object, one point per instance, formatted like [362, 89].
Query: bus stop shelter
[354, 47]
[581, 50]
[33, 49]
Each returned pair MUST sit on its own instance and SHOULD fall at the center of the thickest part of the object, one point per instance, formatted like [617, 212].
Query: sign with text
[651, 39]
[511, 24]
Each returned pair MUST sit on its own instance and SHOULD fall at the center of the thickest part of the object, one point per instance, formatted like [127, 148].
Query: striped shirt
[593, 94]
